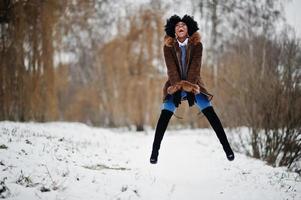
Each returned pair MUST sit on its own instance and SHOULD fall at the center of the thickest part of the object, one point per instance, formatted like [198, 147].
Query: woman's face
[181, 30]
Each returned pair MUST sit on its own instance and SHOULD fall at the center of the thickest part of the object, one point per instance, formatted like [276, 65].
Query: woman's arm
[172, 71]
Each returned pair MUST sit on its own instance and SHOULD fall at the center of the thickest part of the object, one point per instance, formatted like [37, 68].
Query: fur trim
[173, 88]
[190, 87]
[194, 39]
[184, 85]
[168, 41]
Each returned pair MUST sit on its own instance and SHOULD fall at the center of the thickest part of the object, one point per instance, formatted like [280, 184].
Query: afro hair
[173, 20]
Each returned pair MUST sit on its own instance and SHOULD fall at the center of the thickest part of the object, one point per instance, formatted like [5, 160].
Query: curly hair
[173, 20]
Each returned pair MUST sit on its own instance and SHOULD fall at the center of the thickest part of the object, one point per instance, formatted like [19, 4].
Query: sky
[293, 15]
[292, 12]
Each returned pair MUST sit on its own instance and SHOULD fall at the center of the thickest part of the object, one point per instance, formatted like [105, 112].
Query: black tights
[211, 117]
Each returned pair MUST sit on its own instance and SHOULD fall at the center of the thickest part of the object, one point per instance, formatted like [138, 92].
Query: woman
[183, 56]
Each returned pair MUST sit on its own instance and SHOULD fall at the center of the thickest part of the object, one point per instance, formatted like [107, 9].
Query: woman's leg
[205, 106]
[168, 108]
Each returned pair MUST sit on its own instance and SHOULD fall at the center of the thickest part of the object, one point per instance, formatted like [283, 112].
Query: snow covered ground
[74, 161]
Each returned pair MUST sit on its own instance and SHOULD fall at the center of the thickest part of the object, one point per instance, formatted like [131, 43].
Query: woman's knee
[202, 101]
[168, 104]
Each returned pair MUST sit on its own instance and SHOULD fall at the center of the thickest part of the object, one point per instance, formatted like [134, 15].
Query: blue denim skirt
[201, 101]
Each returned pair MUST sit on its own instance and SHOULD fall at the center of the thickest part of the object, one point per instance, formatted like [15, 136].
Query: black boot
[219, 130]
[160, 130]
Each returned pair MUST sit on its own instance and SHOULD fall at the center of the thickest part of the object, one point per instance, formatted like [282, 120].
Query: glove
[177, 98]
[190, 98]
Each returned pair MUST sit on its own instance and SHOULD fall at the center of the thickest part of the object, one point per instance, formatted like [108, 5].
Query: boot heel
[230, 157]
[229, 153]
[154, 158]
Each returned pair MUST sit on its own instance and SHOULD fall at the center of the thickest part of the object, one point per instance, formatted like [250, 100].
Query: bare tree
[27, 77]
[226, 20]
[130, 83]
[263, 91]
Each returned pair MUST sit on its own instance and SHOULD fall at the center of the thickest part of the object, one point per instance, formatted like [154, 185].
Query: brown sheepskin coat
[172, 56]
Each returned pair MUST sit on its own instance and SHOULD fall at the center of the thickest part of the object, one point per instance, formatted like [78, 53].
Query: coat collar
[183, 43]
[194, 39]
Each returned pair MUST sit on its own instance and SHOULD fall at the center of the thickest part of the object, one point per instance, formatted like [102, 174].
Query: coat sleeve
[172, 71]
[196, 62]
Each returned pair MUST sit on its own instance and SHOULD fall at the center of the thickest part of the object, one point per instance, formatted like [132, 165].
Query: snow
[74, 161]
